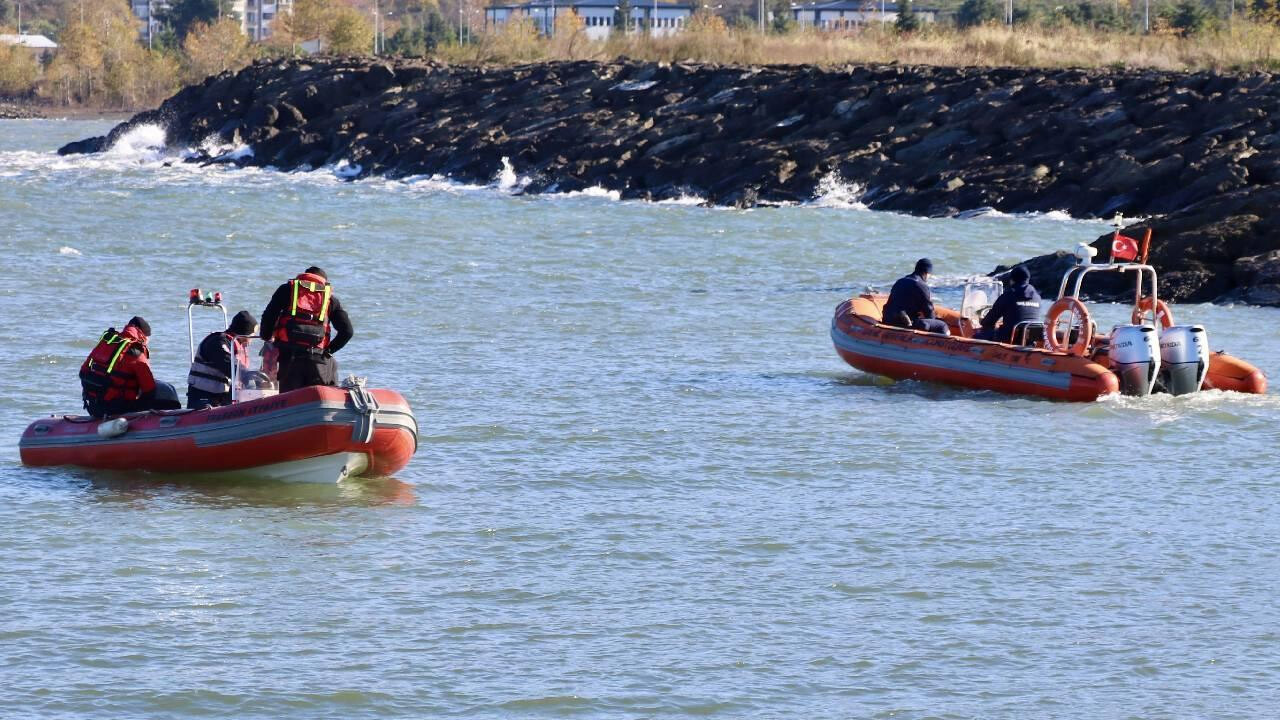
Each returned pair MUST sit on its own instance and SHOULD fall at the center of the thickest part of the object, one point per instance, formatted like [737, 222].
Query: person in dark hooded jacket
[910, 304]
[1018, 303]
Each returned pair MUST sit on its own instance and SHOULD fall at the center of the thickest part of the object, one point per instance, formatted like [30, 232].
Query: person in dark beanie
[116, 377]
[910, 304]
[209, 381]
[1018, 303]
[298, 321]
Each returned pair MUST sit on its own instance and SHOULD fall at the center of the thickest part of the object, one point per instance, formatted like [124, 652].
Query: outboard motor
[1135, 358]
[1184, 358]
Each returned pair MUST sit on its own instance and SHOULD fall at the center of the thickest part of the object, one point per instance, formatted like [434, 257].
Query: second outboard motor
[1184, 358]
[1135, 358]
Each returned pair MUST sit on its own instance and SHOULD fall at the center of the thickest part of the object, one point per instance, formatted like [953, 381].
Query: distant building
[655, 18]
[39, 45]
[851, 14]
[256, 16]
[150, 12]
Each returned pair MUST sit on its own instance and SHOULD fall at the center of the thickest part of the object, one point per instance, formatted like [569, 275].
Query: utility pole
[761, 17]
[376, 13]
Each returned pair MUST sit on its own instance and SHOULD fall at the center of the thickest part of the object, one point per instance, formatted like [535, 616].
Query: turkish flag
[1123, 247]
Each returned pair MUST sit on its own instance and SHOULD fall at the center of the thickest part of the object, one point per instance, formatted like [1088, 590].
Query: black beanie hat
[924, 265]
[1019, 275]
[141, 324]
[244, 323]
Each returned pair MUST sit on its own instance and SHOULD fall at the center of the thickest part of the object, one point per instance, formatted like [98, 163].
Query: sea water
[646, 486]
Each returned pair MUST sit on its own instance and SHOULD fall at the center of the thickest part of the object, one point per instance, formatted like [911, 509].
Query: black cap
[1019, 274]
[244, 323]
[924, 265]
[316, 271]
[141, 324]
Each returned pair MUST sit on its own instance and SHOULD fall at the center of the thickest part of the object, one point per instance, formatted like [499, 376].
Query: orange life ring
[1163, 313]
[1080, 347]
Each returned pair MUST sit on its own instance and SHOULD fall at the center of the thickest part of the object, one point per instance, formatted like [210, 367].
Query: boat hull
[904, 354]
[318, 434]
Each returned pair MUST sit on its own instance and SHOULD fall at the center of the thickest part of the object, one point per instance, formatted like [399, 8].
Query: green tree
[622, 16]
[211, 49]
[783, 21]
[1189, 17]
[182, 14]
[1265, 11]
[349, 32]
[18, 70]
[908, 21]
[978, 12]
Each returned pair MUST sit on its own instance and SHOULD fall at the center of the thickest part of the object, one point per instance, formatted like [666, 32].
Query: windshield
[979, 294]
[256, 371]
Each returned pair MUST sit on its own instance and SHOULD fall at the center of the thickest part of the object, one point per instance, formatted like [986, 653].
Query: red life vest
[306, 323]
[109, 372]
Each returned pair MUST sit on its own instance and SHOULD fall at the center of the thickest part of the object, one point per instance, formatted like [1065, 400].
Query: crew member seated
[910, 304]
[209, 382]
[1019, 302]
[116, 377]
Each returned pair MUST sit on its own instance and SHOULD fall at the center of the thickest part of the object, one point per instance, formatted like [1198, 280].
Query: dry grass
[1242, 46]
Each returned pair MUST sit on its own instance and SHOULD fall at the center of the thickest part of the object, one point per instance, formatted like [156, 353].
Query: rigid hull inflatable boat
[312, 434]
[1063, 358]
[316, 434]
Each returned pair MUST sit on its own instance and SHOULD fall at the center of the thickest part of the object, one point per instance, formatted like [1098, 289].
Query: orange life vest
[306, 323]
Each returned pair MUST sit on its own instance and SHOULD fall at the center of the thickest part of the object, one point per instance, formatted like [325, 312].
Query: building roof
[858, 5]
[635, 4]
[32, 41]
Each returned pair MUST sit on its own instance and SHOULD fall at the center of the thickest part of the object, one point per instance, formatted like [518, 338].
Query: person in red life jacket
[116, 377]
[297, 322]
[209, 382]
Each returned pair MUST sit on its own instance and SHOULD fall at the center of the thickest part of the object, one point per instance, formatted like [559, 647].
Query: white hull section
[322, 469]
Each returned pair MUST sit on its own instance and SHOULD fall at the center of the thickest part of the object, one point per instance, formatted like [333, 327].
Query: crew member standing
[910, 304]
[297, 321]
[116, 377]
[1019, 303]
[209, 382]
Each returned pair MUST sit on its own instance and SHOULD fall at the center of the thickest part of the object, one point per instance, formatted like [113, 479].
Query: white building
[598, 16]
[256, 16]
[851, 14]
[39, 45]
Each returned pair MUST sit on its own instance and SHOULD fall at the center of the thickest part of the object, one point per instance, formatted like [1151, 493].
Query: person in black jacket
[910, 303]
[297, 322]
[209, 381]
[1018, 303]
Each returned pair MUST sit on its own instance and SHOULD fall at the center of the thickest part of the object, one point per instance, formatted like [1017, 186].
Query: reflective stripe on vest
[324, 304]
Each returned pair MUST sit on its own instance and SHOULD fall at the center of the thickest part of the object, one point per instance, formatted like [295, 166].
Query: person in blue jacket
[910, 303]
[1018, 303]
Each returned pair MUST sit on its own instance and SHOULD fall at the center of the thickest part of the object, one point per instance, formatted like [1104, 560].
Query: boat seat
[1027, 333]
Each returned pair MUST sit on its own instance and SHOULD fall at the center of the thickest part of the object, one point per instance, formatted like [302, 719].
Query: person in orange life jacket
[209, 382]
[1019, 302]
[116, 377]
[297, 322]
[910, 304]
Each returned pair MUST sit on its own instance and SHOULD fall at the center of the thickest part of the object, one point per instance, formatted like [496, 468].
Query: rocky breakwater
[17, 111]
[1198, 153]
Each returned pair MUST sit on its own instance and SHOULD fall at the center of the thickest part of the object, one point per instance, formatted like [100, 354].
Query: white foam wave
[68, 250]
[835, 192]
[142, 144]
[347, 170]
[507, 180]
[684, 199]
[594, 191]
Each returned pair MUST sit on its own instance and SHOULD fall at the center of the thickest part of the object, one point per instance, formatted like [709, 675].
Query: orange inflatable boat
[1063, 358]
